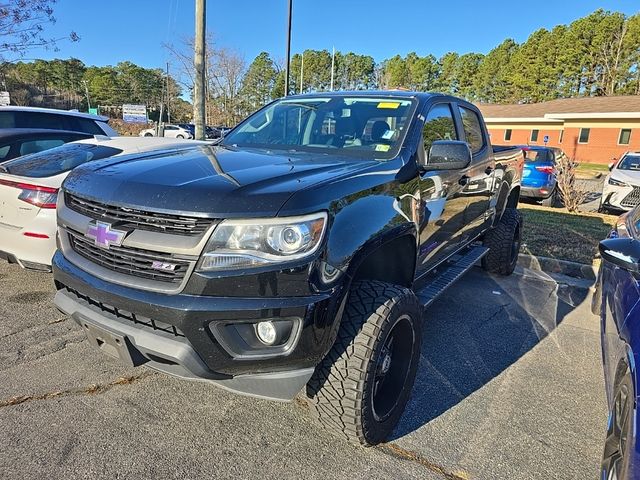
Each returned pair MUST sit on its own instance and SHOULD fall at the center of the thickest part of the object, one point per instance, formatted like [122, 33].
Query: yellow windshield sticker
[388, 104]
[382, 148]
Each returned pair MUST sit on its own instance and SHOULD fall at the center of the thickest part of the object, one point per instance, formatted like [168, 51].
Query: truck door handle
[488, 170]
[464, 180]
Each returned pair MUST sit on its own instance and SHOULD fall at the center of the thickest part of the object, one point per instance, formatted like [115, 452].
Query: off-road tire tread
[336, 390]
[499, 241]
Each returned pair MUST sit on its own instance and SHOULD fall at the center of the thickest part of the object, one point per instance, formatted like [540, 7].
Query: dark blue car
[539, 175]
[617, 302]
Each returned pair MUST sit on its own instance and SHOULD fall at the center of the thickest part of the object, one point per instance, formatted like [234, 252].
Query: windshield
[629, 162]
[538, 155]
[57, 160]
[369, 127]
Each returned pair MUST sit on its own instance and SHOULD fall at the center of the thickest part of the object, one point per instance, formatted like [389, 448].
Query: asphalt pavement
[509, 387]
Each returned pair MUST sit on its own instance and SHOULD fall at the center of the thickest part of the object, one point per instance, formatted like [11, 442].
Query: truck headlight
[617, 183]
[238, 244]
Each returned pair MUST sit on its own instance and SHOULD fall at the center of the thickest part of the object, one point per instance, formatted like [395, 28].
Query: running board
[432, 290]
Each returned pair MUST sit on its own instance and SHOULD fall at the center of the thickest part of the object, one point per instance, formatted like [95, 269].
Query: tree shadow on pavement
[475, 331]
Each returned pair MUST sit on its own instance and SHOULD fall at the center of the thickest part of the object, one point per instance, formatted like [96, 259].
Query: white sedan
[29, 189]
[170, 131]
[621, 191]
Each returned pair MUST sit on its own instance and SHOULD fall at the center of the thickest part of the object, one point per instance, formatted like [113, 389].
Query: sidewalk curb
[553, 265]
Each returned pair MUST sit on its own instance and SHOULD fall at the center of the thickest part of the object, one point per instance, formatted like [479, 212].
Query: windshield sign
[368, 127]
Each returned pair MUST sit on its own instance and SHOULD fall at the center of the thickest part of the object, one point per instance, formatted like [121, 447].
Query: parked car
[616, 301]
[296, 254]
[29, 188]
[170, 131]
[621, 191]
[50, 118]
[15, 142]
[539, 177]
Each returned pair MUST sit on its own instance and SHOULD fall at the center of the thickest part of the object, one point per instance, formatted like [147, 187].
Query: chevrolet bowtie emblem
[103, 236]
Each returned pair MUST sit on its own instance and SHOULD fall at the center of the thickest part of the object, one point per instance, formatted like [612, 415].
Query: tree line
[598, 54]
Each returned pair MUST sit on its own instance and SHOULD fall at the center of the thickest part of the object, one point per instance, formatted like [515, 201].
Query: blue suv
[616, 301]
[539, 175]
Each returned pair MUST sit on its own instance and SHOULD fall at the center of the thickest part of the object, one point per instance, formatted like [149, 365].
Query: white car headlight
[238, 244]
[617, 183]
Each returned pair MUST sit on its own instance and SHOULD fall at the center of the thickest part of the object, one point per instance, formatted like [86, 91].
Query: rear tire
[148, 135]
[360, 389]
[180, 136]
[552, 200]
[504, 242]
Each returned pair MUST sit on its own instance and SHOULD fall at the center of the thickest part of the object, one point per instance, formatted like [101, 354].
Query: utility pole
[168, 97]
[288, 64]
[199, 65]
[86, 90]
[301, 71]
[333, 64]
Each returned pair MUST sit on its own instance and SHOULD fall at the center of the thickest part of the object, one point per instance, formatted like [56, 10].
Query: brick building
[589, 129]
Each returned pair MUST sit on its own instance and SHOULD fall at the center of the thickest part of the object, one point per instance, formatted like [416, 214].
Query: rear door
[478, 189]
[441, 193]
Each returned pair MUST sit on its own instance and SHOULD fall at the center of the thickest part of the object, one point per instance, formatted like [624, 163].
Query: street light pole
[198, 63]
[286, 73]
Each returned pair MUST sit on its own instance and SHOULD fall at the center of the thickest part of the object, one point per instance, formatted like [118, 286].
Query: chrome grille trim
[132, 218]
[129, 261]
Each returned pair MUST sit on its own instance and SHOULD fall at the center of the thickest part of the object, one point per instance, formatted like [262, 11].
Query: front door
[441, 194]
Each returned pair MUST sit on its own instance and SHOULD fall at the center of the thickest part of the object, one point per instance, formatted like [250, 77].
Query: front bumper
[618, 197]
[172, 333]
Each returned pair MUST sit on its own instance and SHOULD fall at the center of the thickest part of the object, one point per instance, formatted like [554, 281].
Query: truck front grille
[632, 199]
[130, 218]
[146, 264]
[123, 314]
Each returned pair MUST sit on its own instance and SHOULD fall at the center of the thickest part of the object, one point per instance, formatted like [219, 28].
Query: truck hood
[208, 181]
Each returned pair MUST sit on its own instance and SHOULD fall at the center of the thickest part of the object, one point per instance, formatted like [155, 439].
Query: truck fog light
[266, 332]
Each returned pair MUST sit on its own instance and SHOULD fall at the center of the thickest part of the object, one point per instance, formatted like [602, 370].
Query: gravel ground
[510, 387]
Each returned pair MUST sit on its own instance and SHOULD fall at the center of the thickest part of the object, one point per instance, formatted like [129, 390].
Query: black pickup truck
[297, 254]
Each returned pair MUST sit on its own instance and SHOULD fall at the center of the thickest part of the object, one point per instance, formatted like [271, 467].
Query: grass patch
[556, 233]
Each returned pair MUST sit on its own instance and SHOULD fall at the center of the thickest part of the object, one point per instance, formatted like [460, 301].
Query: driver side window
[439, 125]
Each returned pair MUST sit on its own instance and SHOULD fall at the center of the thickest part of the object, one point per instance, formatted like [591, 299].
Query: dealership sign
[134, 113]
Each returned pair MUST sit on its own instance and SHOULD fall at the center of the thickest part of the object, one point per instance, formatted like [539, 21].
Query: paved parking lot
[510, 387]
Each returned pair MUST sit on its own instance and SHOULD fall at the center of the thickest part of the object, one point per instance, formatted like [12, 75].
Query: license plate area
[111, 344]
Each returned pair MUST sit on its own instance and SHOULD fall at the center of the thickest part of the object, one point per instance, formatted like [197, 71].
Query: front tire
[360, 389]
[504, 242]
[616, 458]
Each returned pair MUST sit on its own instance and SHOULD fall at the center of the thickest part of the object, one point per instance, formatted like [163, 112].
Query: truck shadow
[475, 331]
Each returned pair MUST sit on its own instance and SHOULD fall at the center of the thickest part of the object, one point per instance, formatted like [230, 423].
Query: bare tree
[22, 26]
[572, 192]
[225, 70]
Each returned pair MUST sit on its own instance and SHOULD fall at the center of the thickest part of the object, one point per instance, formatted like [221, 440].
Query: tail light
[546, 169]
[42, 197]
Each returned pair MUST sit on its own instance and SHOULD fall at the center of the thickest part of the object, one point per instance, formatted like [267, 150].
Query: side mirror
[623, 252]
[611, 165]
[448, 155]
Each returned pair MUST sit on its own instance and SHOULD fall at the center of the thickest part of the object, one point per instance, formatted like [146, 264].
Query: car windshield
[368, 127]
[57, 160]
[629, 162]
[538, 155]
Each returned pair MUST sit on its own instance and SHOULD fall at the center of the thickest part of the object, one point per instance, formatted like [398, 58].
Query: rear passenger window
[439, 125]
[472, 129]
[88, 126]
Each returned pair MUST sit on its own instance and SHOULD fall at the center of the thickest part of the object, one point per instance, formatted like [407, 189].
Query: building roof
[626, 105]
